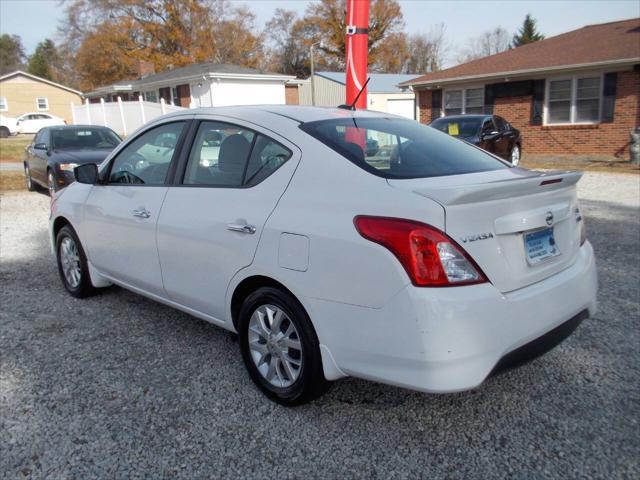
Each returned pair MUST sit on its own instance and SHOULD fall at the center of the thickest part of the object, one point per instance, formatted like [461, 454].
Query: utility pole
[313, 80]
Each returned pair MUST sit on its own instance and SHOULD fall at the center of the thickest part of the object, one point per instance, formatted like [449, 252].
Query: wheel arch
[248, 285]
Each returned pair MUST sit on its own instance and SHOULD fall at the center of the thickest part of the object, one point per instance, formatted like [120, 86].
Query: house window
[151, 96]
[468, 100]
[42, 103]
[574, 100]
[175, 99]
[4, 105]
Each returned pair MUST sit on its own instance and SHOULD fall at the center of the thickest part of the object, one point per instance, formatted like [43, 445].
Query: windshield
[458, 127]
[405, 149]
[83, 139]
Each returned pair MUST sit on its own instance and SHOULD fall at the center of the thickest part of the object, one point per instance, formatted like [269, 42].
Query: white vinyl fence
[122, 117]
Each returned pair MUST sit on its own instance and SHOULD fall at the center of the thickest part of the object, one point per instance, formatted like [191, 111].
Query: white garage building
[200, 85]
[383, 93]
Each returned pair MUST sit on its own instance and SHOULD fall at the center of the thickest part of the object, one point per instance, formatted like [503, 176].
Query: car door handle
[141, 213]
[236, 227]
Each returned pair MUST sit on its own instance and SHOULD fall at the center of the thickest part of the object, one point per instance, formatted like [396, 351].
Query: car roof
[472, 116]
[298, 113]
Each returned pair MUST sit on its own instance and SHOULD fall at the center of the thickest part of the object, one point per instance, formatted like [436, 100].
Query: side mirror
[41, 146]
[86, 173]
[490, 135]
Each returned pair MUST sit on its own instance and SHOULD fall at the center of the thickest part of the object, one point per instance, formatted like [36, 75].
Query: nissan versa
[428, 265]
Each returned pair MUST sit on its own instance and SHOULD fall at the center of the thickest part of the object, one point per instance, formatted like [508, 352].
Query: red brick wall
[291, 96]
[606, 139]
[424, 104]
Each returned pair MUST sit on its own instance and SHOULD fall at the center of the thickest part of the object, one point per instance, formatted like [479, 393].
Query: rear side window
[403, 148]
[226, 155]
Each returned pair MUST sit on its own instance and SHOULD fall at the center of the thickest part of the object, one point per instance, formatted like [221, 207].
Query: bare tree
[488, 43]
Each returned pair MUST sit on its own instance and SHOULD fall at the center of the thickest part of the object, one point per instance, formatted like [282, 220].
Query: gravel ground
[119, 386]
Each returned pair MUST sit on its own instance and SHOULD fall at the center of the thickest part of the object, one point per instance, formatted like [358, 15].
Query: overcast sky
[35, 20]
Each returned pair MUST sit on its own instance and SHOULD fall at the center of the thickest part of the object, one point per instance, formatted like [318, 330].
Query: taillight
[429, 256]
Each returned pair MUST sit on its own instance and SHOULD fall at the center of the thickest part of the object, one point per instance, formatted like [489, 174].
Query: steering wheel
[125, 176]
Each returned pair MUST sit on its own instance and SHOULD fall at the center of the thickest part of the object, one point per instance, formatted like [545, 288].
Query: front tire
[280, 348]
[30, 185]
[51, 183]
[4, 132]
[515, 155]
[72, 264]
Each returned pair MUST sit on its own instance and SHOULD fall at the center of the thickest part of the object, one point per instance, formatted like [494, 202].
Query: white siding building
[383, 93]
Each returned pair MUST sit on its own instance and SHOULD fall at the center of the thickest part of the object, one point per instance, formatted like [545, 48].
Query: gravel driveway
[119, 386]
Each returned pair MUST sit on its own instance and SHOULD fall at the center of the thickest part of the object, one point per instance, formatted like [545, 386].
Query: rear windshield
[463, 127]
[83, 139]
[397, 148]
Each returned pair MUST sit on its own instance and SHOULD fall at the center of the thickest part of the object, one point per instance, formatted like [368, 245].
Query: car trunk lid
[491, 214]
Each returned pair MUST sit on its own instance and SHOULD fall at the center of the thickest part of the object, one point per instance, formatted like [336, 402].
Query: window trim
[573, 101]
[5, 102]
[464, 99]
[46, 101]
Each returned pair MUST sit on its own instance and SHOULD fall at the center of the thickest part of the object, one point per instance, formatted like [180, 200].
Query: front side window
[468, 100]
[227, 155]
[405, 149]
[4, 105]
[574, 100]
[146, 160]
[42, 103]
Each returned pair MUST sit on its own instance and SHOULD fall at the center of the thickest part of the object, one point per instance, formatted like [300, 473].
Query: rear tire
[72, 264]
[4, 132]
[280, 348]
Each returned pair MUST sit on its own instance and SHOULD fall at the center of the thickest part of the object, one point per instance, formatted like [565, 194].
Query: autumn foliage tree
[108, 38]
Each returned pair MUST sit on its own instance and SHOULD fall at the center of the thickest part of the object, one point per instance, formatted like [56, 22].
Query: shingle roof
[379, 83]
[593, 44]
[200, 69]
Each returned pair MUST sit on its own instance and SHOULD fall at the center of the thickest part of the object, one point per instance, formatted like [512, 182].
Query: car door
[38, 157]
[211, 220]
[120, 215]
[507, 134]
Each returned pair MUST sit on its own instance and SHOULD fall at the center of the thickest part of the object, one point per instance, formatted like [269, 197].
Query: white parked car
[33, 122]
[8, 126]
[429, 268]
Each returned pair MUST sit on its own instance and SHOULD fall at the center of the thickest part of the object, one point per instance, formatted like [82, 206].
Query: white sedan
[429, 265]
[33, 122]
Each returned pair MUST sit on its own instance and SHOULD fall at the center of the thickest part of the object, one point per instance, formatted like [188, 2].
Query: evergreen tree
[527, 33]
[42, 62]
[11, 53]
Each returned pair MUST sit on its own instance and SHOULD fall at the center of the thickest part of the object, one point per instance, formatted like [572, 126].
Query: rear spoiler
[512, 187]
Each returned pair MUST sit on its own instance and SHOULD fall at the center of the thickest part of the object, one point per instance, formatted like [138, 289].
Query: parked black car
[56, 151]
[489, 132]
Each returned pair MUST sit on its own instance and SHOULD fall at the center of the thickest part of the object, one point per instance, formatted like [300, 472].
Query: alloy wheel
[515, 155]
[70, 261]
[27, 174]
[274, 345]
[51, 184]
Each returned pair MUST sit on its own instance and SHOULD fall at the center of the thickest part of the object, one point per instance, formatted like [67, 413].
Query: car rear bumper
[451, 339]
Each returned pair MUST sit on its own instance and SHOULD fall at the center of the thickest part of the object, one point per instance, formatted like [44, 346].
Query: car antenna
[355, 100]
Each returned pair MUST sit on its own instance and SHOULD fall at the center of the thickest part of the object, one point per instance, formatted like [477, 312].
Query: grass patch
[12, 181]
[579, 162]
[12, 148]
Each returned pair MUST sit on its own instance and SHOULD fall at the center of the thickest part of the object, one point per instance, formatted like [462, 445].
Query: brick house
[575, 93]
